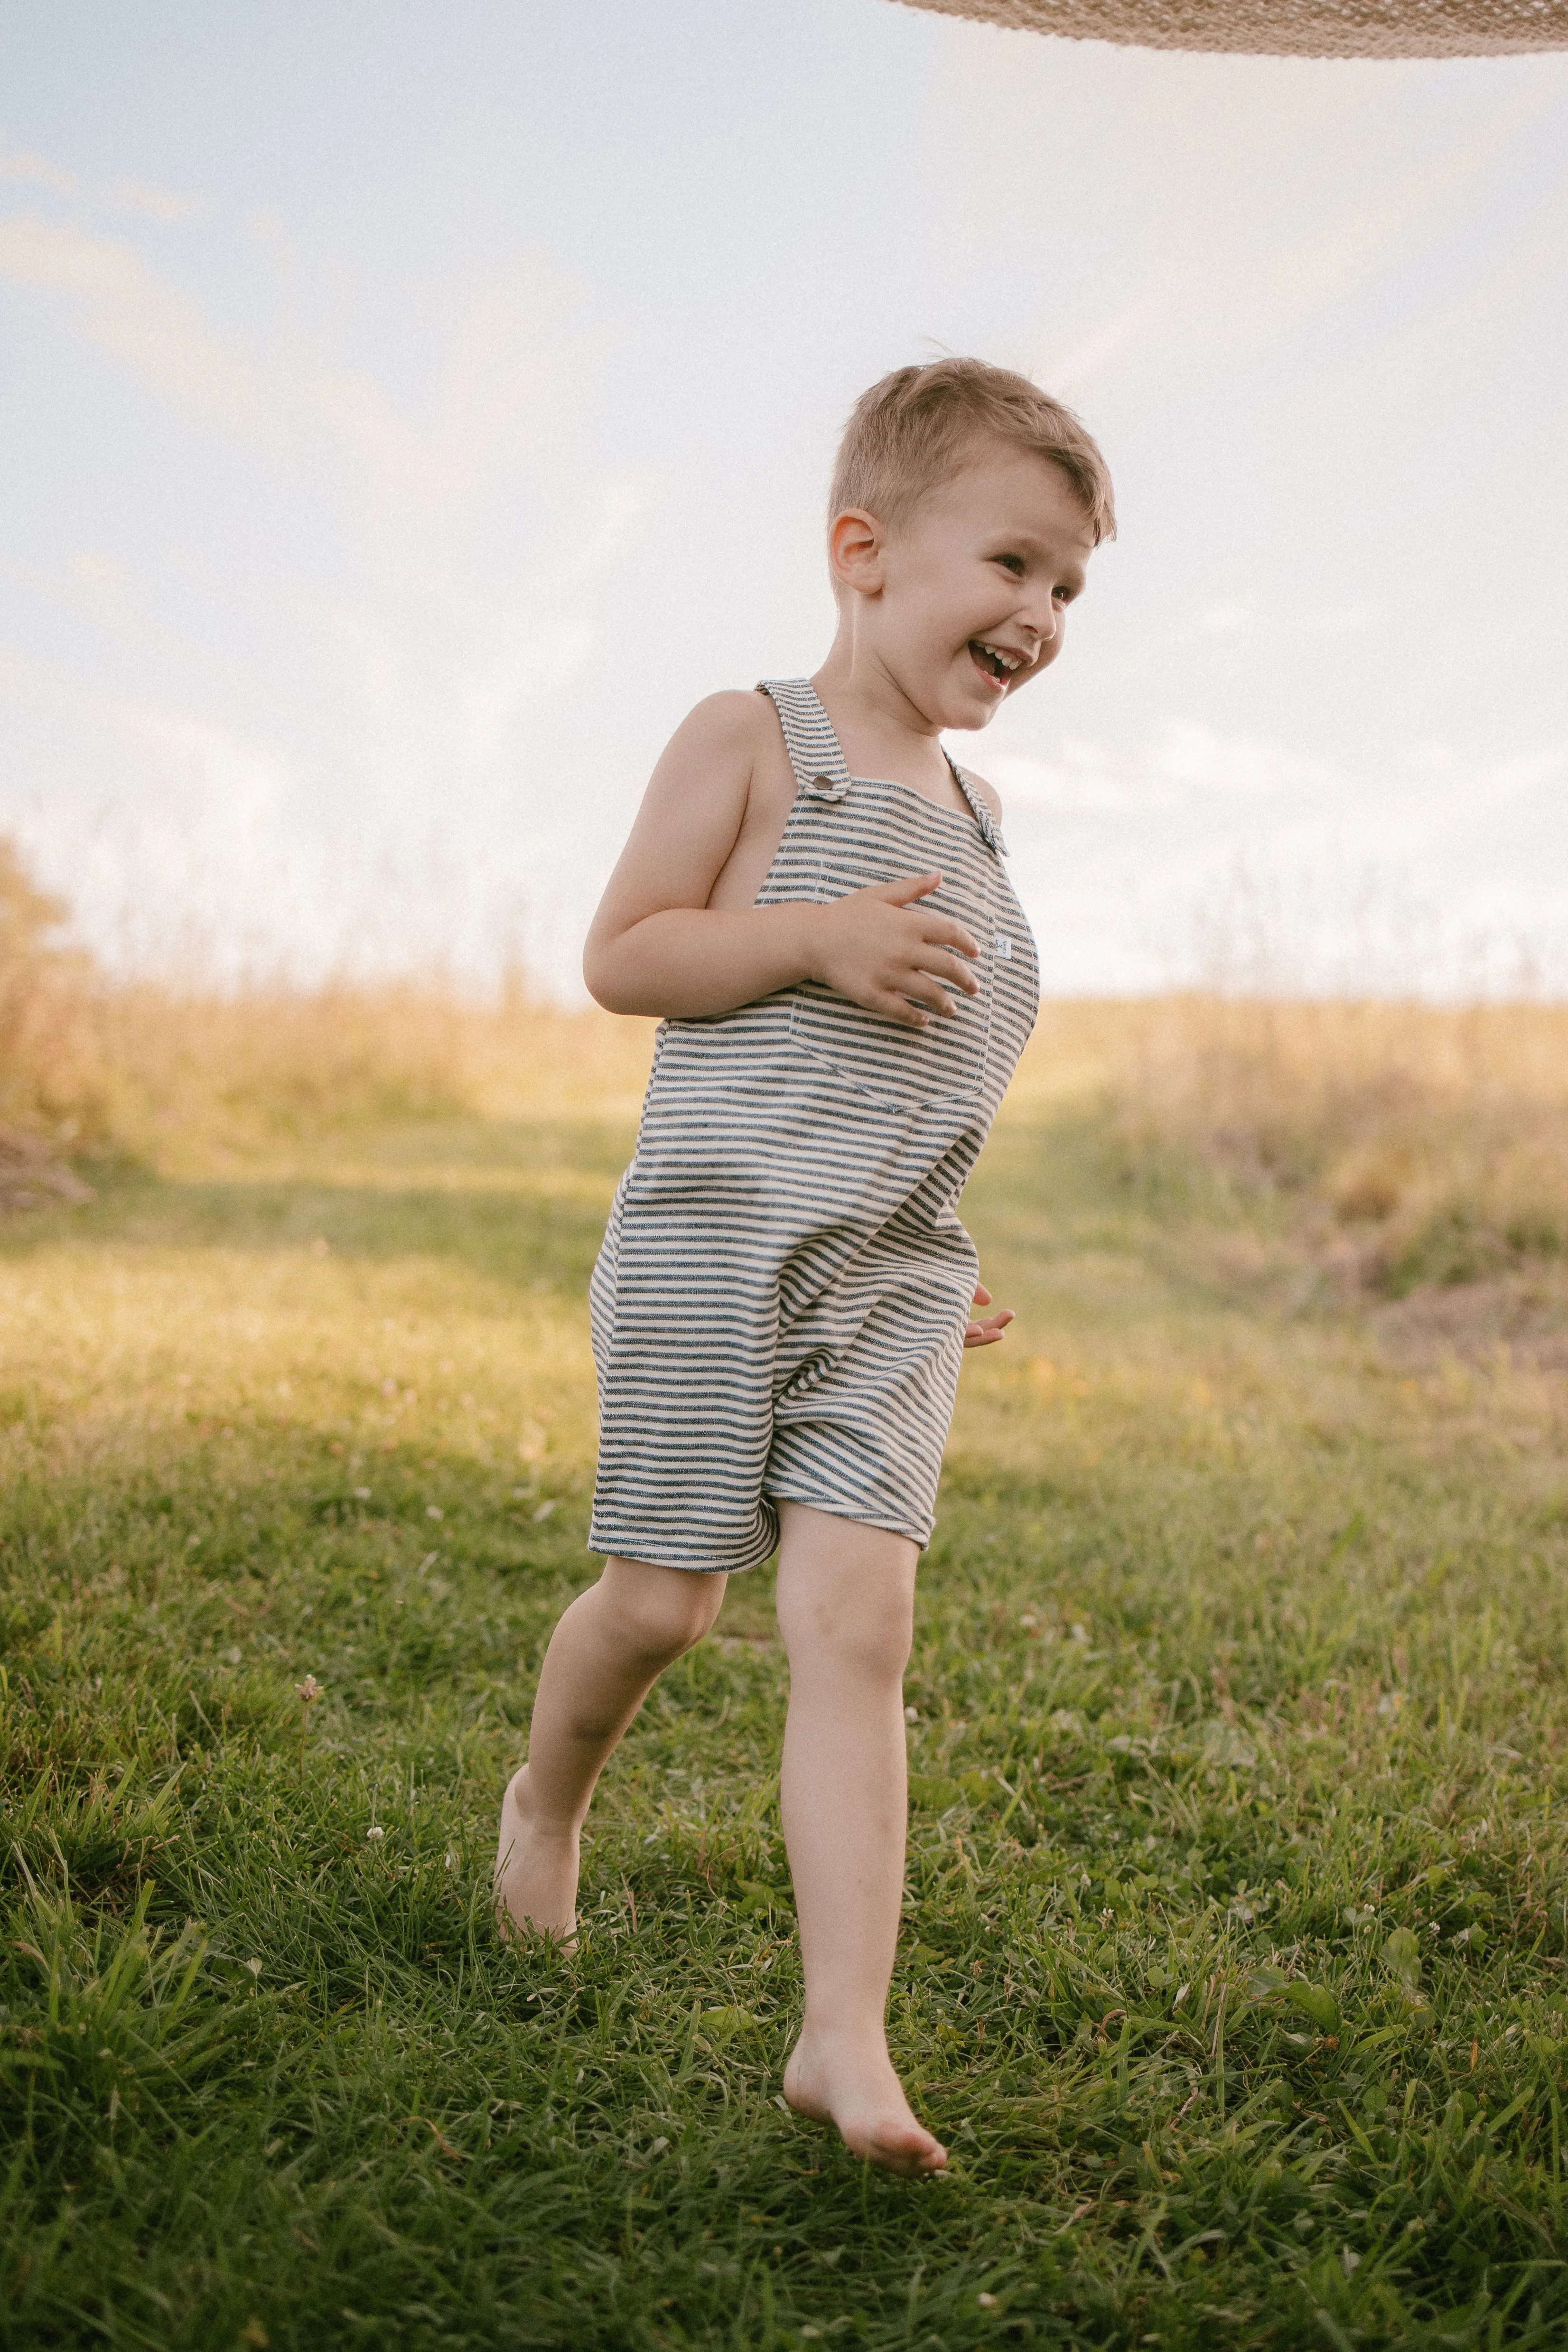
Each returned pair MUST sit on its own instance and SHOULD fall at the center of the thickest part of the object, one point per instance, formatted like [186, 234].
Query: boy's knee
[882, 1641]
[663, 1611]
[870, 1634]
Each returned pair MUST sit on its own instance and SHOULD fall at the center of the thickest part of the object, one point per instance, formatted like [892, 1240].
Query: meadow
[1235, 1961]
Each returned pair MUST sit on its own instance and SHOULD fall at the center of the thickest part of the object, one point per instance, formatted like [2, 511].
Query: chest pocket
[946, 1061]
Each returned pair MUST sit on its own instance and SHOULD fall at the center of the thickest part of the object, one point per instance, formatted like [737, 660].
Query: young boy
[814, 897]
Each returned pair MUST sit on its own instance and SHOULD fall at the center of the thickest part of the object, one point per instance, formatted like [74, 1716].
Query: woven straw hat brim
[1299, 29]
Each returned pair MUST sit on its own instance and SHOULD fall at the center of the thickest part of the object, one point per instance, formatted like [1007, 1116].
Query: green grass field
[1236, 1970]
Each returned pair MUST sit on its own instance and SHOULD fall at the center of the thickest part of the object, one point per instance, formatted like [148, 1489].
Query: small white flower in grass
[911, 1715]
[434, 1511]
[375, 1833]
[659, 2147]
[451, 1862]
[988, 2302]
[362, 1494]
[309, 1691]
[254, 1967]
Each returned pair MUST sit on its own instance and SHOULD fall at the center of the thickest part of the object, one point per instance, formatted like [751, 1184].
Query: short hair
[914, 428]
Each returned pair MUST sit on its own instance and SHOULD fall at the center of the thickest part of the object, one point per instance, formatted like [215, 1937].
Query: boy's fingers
[907, 886]
[895, 1007]
[981, 1295]
[939, 932]
[924, 990]
[944, 967]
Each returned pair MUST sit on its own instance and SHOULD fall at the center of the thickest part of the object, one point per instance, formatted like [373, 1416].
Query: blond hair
[916, 427]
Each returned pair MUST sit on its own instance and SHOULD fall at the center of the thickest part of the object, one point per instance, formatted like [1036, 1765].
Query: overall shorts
[779, 1305]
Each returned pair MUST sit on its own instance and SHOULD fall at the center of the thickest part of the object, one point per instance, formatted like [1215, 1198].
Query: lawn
[1235, 1963]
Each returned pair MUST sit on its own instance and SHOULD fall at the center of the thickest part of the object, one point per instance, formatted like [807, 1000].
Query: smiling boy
[814, 898]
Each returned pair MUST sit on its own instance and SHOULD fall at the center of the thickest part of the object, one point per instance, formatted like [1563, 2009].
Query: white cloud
[383, 821]
[1251, 194]
[1244, 863]
[1184, 763]
[28, 170]
[1075, 367]
[24, 168]
[152, 204]
[124, 306]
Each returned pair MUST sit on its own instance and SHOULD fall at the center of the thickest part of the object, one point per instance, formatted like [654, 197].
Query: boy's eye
[1013, 563]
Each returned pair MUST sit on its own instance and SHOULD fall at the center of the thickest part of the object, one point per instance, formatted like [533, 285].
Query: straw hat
[1303, 28]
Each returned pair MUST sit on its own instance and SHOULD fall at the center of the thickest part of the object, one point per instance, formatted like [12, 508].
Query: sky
[408, 412]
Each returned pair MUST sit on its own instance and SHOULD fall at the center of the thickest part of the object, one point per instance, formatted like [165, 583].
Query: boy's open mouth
[993, 662]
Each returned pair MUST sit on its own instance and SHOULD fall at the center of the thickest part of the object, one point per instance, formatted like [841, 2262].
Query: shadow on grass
[523, 1204]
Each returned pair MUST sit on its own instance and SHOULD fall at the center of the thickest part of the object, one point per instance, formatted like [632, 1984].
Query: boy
[814, 897]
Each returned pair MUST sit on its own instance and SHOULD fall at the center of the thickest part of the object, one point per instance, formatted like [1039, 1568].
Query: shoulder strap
[809, 738]
[819, 764]
[990, 831]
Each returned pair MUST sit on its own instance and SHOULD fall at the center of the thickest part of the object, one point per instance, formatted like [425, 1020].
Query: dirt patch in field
[1521, 1319]
[30, 1176]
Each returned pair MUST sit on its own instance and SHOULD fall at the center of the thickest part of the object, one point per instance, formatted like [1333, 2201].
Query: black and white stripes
[778, 1308]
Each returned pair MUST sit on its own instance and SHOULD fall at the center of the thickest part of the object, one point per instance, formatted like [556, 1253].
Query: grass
[1235, 1963]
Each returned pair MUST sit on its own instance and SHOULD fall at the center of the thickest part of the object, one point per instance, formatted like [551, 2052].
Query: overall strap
[820, 770]
[990, 831]
[809, 738]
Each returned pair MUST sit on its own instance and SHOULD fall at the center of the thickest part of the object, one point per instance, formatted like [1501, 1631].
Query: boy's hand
[989, 1329]
[879, 949]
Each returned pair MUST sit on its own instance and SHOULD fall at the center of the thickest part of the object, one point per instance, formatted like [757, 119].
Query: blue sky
[408, 412]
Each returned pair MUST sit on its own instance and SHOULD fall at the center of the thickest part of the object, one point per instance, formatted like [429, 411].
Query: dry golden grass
[1438, 1136]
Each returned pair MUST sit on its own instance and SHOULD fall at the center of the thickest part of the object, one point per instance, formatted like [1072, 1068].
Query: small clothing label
[1004, 946]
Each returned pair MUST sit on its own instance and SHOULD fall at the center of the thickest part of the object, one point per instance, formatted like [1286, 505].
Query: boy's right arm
[657, 945]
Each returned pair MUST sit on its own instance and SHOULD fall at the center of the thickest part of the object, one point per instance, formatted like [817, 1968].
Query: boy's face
[973, 585]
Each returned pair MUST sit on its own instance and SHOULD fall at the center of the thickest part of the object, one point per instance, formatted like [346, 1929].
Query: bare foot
[855, 2086]
[535, 1873]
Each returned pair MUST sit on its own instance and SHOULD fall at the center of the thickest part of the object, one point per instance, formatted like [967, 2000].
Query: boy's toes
[900, 2147]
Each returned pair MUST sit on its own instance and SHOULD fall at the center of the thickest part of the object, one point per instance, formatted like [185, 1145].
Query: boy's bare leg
[846, 1601]
[608, 1650]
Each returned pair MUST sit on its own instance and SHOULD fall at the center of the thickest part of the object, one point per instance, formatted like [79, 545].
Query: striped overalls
[778, 1308]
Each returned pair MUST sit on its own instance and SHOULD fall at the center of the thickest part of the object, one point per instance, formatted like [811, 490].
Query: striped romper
[779, 1305]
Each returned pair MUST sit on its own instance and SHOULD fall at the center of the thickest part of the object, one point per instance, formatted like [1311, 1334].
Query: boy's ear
[855, 544]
